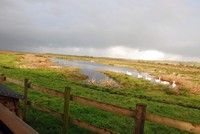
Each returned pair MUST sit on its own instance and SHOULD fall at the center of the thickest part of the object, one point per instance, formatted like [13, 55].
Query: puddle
[92, 70]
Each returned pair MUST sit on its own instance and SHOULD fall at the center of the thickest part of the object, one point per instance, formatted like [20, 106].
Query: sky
[132, 29]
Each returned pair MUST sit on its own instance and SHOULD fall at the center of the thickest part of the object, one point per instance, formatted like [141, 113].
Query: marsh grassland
[182, 104]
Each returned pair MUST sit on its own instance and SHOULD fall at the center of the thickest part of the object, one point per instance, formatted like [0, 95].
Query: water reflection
[92, 70]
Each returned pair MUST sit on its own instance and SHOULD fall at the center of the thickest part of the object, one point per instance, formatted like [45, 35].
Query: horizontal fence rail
[51, 92]
[74, 121]
[104, 106]
[92, 127]
[181, 125]
[81, 100]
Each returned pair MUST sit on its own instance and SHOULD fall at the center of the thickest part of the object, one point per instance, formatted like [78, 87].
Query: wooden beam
[2, 78]
[181, 125]
[51, 92]
[25, 108]
[77, 122]
[140, 118]
[14, 123]
[92, 128]
[66, 110]
[45, 110]
[74, 121]
[104, 106]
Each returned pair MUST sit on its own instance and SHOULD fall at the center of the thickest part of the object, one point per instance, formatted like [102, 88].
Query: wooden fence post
[2, 78]
[66, 110]
[140, 118]
[26, 86]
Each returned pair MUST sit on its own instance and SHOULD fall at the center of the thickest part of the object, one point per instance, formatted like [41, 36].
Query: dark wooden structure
[10, 99]
[12, 124]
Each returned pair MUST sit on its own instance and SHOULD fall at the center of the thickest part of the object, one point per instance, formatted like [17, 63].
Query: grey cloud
[170, 26]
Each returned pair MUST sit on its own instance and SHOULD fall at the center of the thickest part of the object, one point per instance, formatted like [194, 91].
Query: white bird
[128, 73]
[165, 82]
[158, 80]
[139, 76]
[92, 81]
[174, 84]
[148, 78]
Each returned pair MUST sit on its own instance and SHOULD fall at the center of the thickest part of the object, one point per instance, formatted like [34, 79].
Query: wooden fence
[139, 114]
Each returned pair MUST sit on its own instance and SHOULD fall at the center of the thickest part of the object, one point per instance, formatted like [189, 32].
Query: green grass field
[159, 99]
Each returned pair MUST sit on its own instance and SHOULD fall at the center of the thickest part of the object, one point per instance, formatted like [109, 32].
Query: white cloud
[130, 53]
[117, 52]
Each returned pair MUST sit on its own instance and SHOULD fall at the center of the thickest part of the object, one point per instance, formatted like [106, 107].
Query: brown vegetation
[183, 82]
[35, 61]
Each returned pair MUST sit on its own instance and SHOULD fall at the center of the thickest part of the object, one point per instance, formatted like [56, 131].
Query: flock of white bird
[159, 81]
[165, 82]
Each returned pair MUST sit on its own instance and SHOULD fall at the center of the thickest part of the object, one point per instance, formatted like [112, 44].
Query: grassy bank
[132, 91]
